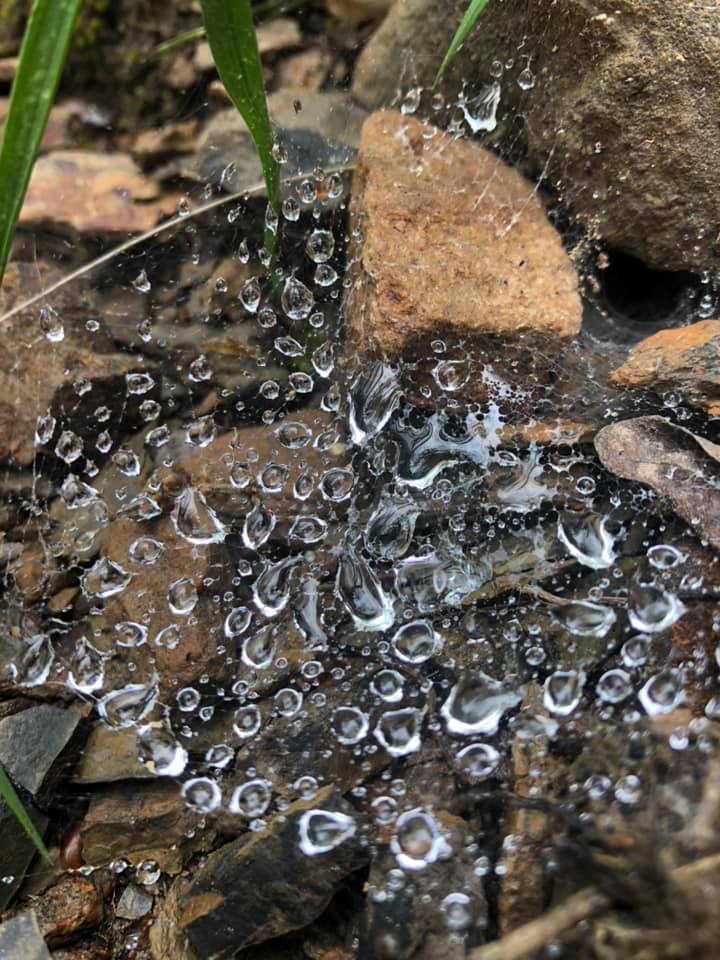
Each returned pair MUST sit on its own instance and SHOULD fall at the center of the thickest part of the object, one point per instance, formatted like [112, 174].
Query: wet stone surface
[387, 613]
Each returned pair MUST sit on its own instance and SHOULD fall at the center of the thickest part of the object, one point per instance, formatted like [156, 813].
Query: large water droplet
[476, 705]
[374, 395]
[194, 520]
[361, 592]
[323, 830]
[588, 540]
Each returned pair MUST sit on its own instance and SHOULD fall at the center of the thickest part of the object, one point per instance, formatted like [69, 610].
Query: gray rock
[323, 132]
[617, 119]
[259, 886]
[32, 741]
[16, 850]
[134, 903]
[20, 939]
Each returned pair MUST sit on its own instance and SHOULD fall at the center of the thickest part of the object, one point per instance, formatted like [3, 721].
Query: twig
[584, 905]
[535, 935]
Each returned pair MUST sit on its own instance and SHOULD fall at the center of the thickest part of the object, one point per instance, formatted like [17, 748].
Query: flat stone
[453, 242]
[278, 34]
[96, 193]
[110, 755]
[684, 359]
[135, 902]
[20, 939]
[257, 887]
[144, 821]
[32, 741]
[355, 11]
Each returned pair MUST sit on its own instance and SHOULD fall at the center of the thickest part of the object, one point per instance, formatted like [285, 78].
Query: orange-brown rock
[92, 193]
[454, 242]
[68, 909]
[685, 359]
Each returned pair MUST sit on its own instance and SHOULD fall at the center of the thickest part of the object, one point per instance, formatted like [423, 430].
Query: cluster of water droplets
[374, 568]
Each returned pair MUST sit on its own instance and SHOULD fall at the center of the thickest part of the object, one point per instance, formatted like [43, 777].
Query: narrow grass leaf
[231, 35]
[473, 11]
[8, 794]
[42, 55]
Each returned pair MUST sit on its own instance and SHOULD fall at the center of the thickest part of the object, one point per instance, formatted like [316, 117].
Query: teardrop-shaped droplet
[271, 590]
[588, 540]
[129, 705]
[398, 731]
[86, 670]
[258, 649]
[562, 691]
[297, 301]
[390, 529]
[159, 750]
[258, 526]
[104, 579]
[584, 619]
[361, 592]
[194, 520]
[182, 596]
[373, 396]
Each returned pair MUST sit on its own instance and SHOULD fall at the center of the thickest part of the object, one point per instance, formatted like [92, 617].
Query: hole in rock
[633, 292]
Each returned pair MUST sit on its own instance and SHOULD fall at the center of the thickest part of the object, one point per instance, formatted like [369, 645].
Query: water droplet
[271, 590]
[320, 246]
[129, 705]
[297, 301]
[562, 691]
[258, 526]
[477, 704]
[662, 693]
[374, 395]
[398, 731]
[416, 642]
[350, 725]
[588, 540]
[251, 799]
[194, 520]
[654, 610]
[141, 283]
[481, 112]
[361, 592]
[584, 619]
[182, 596]
[323, 830]
[104, 579]
[201, 794]
[477, 761]
[418, 840]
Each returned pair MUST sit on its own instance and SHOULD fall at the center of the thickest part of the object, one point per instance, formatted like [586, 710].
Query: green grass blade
[473, 11]
[8, 794]
[231, 35]
[42, 55]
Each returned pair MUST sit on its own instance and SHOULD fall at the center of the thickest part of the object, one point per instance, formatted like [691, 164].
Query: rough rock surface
[17, 851]
[678, 465]
[615, 119]
[92, 193]
[142, 822]
[255, 888]
[31, 741]
[685, 359]
[20, 939]
[453, 241]
[71, 907]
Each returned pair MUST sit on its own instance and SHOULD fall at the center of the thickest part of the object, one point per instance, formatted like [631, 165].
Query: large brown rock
[616, 120]
[453, 242]
[684, 359]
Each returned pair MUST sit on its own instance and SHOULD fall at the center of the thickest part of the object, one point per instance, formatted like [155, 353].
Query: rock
[70, 908]
[323, 132]
[358, 10]
[135, 902]
[679, 466]
[83, 192]
[306, 70]
[607, 83]
[257, 887]
[110, 755]
[32, 741]
[172, 138]
[21, 939]
[42, 375]
[278, 34]
[684, 359]
[18, 850]
[141, 822]
[446, 225]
